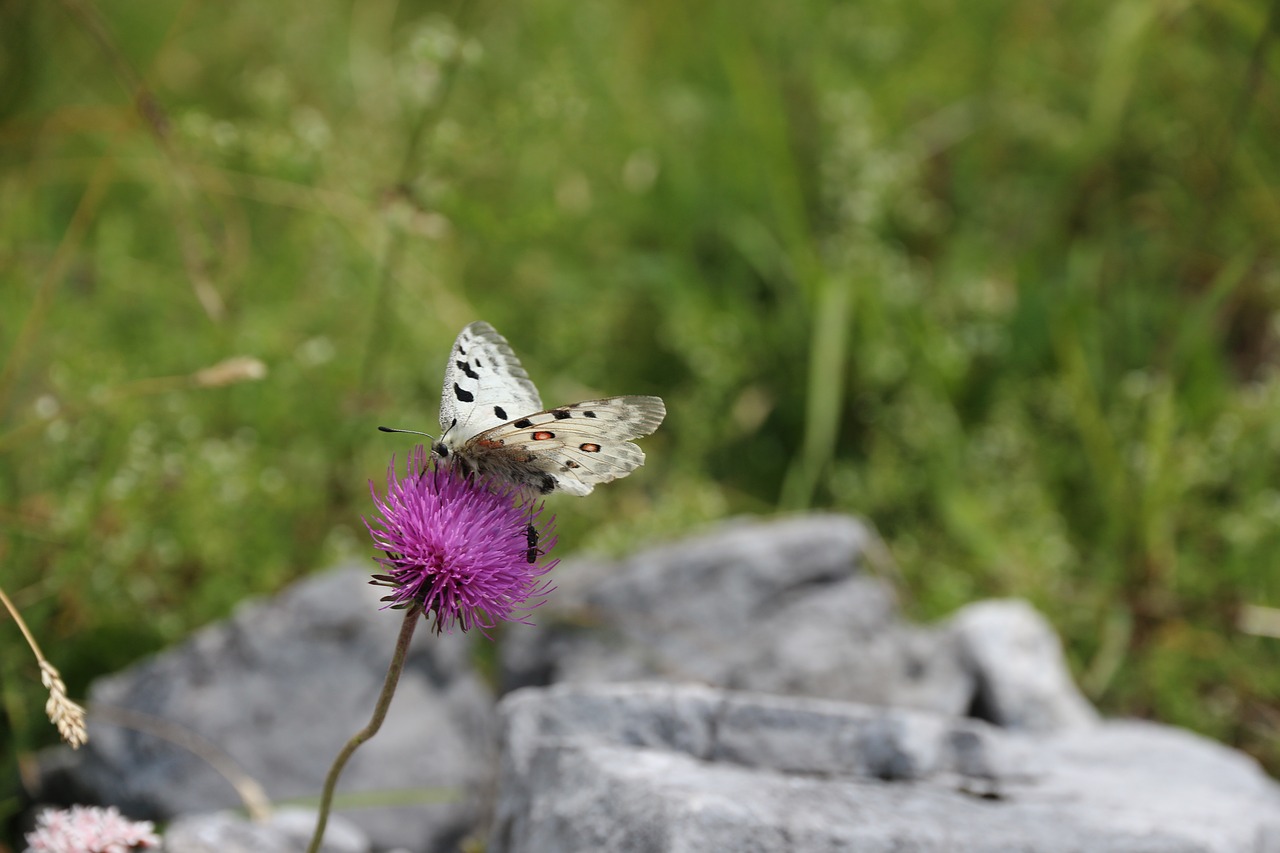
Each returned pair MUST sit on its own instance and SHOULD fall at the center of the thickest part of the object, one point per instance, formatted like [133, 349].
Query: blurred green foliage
[1000, 276]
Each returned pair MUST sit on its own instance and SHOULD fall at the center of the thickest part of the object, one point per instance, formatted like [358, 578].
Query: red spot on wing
[589, 448]
[543, 435]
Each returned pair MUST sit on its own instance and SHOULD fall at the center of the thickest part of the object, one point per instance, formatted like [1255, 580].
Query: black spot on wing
[500, 413]
[466, 368]
[561, 414]
[462, 394]
[523, 423]
[588, 414]
[546, 484]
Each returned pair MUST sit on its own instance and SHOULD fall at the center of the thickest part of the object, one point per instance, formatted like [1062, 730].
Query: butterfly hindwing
[484, 384]
[569, 448]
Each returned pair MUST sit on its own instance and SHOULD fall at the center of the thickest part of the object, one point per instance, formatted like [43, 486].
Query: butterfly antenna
[407, 432]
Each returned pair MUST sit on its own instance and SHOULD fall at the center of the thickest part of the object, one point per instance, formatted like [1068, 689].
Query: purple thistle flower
[465, 549]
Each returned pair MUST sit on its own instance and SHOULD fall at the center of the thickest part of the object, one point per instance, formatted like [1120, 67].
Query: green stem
[379, 714]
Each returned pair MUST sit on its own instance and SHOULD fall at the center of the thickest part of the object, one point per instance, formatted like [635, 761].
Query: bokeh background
[1001, 276]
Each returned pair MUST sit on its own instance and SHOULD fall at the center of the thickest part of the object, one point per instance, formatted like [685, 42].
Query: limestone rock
[779, 606]
[1016, 658]
[666, 768]
[287, 831]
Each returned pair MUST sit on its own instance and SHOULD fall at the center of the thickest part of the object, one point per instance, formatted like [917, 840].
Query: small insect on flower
[531, 539]
[464, 548]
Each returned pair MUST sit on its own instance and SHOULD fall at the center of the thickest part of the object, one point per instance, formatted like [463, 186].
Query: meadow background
[1001, 276]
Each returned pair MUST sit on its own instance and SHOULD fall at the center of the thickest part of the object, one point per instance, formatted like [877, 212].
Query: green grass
[1001, 277]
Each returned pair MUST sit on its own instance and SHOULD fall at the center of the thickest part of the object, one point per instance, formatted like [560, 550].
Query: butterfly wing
[570, 448]
[484, 385]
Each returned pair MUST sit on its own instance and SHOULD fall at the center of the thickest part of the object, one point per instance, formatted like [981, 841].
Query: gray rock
[665, 768]
[780, 606]
[279, 688]
[286, 831]
[1022, 679]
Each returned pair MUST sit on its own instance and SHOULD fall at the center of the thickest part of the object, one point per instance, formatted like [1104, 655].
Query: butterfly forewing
[484, 385]
[620, 417]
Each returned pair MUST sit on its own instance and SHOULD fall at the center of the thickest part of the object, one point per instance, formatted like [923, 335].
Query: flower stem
[22, 626]
[379, 714]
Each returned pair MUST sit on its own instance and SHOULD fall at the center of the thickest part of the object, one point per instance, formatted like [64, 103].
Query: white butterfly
[492, 423]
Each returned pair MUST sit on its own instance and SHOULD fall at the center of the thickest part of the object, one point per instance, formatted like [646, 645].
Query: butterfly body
[493, 423]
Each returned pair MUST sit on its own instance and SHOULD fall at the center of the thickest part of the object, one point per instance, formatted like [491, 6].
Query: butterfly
[492, 423]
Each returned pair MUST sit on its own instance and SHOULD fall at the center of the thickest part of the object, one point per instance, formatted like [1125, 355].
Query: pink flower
[89, 829]
[467, 549]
